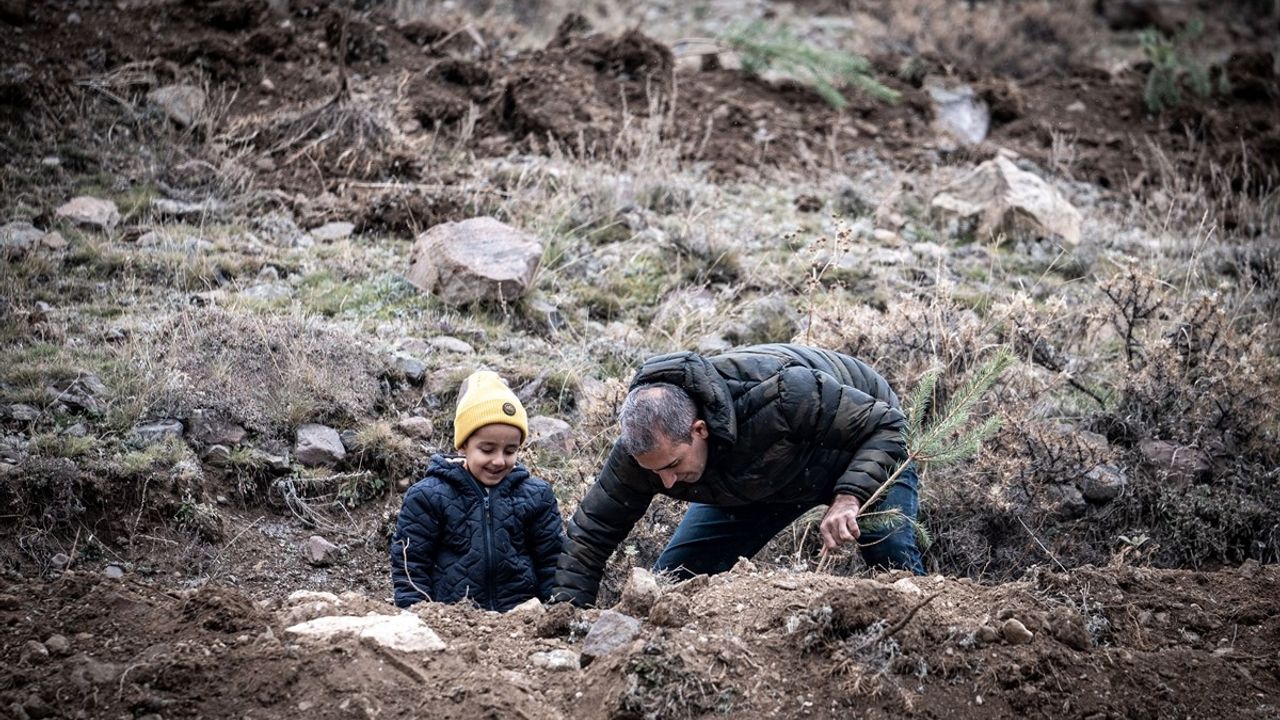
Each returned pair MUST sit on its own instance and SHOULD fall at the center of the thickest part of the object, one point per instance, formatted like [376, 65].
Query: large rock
[318, 445]
[476, 260]
[90, 212]
[405, 632]
[183, 104]
[960, 113]
[552, 434]
[612, 631]
[1001, 197]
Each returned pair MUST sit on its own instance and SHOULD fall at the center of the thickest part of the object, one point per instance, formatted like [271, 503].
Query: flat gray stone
[612, 631]
[332, 232]
[451, 344]
[206, 430]
[1177, 463]
[155, 432]
[320, 552]
[23, 413]
[183, 104]
[90, 212]
[268, 292]
[549, 433]
[405, 632]
[188, 210]
[416, 427]
[317, 445]
[411, 367]
[1104, 483]
[556, 660]
[19, 237]
[87, 672]
[960, 113]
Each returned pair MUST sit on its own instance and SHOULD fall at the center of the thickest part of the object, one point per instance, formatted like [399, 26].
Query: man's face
[677, 461]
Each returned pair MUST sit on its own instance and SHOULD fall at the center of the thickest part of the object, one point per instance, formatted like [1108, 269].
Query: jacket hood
[699, 378]
[449, 469]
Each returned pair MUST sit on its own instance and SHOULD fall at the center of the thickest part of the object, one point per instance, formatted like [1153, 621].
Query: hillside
[223, 361]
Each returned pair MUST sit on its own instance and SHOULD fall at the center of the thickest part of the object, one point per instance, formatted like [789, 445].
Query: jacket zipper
[487, 520]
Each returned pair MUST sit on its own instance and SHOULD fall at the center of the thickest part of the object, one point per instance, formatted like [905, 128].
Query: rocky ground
[251, 246]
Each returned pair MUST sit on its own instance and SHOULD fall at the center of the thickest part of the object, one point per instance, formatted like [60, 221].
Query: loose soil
[593, 95]
[1109, 642]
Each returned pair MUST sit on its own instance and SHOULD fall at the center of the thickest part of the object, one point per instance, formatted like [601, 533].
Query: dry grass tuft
[268, 373]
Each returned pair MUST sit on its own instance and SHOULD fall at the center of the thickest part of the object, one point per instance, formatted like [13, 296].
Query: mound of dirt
[1113, 642]
[268, 374]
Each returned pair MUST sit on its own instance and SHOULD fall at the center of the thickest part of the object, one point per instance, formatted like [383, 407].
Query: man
[753, 438]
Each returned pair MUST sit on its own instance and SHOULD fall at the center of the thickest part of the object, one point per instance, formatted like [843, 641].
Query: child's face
[490, 452]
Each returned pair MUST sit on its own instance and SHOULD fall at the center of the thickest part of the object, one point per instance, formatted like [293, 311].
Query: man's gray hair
[655, 411]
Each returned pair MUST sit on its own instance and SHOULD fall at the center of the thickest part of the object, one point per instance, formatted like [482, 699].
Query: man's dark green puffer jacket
[788, 424]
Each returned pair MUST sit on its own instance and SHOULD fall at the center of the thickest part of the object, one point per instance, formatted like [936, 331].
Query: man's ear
[700, 429]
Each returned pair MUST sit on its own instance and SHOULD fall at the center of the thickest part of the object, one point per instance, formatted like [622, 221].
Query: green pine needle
[918, 403]
[760, 47]
[934, 441]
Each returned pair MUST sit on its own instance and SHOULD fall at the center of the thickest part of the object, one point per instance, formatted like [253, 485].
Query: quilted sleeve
[619, 498]
[414, 547]
[547, 532]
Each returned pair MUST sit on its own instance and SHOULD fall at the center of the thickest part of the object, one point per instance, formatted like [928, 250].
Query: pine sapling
[761, 47]
[951, 436]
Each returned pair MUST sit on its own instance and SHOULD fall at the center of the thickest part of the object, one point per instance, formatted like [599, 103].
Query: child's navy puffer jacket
[454, 541]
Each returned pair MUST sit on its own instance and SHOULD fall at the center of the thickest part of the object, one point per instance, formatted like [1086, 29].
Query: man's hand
[840, 524]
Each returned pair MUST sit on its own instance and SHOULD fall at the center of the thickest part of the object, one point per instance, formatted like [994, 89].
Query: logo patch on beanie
[508, 408]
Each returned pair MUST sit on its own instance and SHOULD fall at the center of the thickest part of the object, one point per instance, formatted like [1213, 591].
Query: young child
[478, 527]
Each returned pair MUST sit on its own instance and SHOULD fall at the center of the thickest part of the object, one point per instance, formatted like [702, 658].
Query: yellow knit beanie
[486, 400]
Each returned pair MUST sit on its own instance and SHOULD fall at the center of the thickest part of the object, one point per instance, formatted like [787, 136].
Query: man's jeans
[710, 539]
